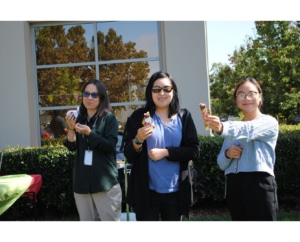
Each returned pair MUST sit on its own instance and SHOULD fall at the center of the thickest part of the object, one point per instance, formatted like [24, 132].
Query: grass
[202, 211]
[219, 212]
[214, 212]
[282, 216]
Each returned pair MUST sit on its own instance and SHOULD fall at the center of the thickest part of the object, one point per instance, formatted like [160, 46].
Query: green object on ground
[12, 187]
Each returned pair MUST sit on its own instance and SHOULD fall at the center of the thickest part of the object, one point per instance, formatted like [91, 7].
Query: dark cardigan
[138, 182]
[102, 175]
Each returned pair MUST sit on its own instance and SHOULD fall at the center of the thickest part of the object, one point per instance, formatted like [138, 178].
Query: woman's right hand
[213, 122]
[144, 132]
[70, 120]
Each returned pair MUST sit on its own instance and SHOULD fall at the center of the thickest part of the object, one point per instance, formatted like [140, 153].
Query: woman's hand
[82, 129]
[234, 152]
[213, 122]
[70, 120]
[144, 132]
[157, 154]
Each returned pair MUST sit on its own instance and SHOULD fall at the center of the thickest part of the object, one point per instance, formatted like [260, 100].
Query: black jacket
[102, 175]
[138, 182]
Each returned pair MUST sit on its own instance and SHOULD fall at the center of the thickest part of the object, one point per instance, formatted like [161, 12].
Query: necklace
[92, 125]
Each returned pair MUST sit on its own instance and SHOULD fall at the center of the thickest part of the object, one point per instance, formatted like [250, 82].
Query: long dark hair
[104, 104]
[174, 106]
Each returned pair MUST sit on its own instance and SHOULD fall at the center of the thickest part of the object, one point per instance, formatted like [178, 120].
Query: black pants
[163, 207]
[252, 196]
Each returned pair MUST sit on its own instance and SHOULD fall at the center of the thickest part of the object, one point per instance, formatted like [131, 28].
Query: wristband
[135, 140]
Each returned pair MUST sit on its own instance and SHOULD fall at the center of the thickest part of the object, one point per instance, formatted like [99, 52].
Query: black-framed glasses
[166, 89]
[93, 94]
[242, 96]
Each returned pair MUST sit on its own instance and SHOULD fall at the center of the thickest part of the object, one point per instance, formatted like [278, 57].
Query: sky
[223, 37]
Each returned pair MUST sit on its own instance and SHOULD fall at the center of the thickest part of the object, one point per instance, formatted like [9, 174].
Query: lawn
[202, 211]
[219, 212]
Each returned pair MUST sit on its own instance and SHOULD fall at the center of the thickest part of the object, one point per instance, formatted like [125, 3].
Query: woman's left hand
[158, 154]
[82, 129]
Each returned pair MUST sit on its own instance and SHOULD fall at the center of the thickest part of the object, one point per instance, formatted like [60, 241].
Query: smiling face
[162, 98]
[91, 103]
[248, 99]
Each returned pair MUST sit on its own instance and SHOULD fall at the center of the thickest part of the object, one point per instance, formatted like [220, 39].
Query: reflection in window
[121, 54]
[53, 123]
[63, 44]
[125, 81]
[62, 86]
[127, 40]
[123, 114]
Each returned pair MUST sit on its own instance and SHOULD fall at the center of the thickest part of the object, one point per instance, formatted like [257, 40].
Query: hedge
[54, 162]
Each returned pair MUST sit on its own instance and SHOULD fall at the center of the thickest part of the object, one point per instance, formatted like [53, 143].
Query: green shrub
[210, 177]
[55, 163]
[211, 184]
[287, 167]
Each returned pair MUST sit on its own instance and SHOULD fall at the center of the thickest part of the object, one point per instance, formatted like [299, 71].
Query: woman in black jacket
[93, 135]
[159, 148]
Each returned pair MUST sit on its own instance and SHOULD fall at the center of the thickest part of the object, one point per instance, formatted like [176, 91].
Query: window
[121, 54]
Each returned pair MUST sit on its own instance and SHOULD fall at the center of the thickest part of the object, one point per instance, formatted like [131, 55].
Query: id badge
[88, 157]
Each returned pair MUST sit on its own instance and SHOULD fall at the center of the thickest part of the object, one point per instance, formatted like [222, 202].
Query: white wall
[16, 98]
[185, 58]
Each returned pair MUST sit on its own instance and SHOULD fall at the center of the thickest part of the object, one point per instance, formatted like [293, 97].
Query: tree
[272, 57]
[120, 78]
[57, 85]
[62, 45]
[221, 90]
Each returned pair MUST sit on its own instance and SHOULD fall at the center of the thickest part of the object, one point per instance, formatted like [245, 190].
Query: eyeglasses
[242, 96]
[93, 94]
[166, 89]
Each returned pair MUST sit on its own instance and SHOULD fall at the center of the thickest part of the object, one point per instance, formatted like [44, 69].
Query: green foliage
[55, 163]
[67, 44]
[272, 57]
[287, 167]
[210, 177]
[52, 141]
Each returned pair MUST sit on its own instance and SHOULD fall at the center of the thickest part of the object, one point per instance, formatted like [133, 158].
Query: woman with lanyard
[94, 134]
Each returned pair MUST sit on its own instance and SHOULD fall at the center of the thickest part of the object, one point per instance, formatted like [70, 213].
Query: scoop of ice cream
[147, 119]
[74, 112]
[202, 106]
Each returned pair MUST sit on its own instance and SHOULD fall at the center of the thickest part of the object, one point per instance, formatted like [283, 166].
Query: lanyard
[91, 129]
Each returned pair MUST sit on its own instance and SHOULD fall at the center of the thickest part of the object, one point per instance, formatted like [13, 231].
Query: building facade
[37, 68]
